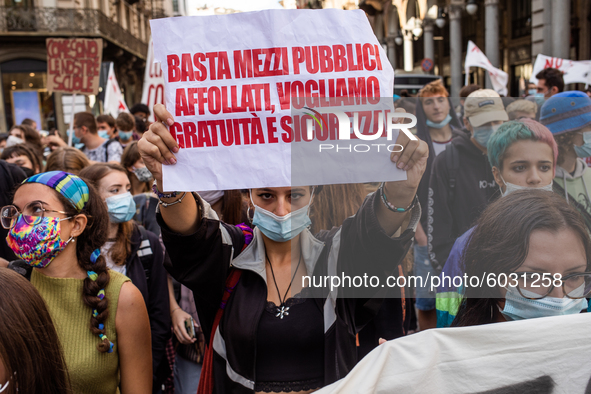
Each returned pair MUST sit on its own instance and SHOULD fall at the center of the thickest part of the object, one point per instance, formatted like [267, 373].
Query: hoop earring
[248, 215]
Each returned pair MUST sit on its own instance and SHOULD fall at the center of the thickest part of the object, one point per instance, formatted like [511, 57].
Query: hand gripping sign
[244, 90]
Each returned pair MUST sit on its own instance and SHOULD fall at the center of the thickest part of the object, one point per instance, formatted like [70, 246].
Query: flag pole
[71, 133]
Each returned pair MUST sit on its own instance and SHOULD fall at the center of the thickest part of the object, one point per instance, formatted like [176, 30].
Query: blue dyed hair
[513, 131]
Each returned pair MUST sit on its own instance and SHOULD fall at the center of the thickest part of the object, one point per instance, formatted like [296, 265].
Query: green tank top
[91, 372]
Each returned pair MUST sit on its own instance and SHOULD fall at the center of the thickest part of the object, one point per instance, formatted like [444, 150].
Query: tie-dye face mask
[37, 244]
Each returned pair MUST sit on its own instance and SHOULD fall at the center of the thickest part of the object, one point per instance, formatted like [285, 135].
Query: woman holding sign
[271, 328]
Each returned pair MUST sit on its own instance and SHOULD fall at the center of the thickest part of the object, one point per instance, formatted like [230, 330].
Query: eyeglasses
[535, 285]
[33, 213]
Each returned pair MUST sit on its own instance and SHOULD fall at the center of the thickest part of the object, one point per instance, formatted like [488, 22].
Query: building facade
[25, 25]
[510, 32]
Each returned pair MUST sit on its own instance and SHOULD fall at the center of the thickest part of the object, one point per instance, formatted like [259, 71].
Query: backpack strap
[206, 378]
[452, 162]
[107, 150]
[145, 253]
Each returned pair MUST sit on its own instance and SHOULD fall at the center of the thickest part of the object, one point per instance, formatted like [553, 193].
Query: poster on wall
[73, 65]
[26, 104]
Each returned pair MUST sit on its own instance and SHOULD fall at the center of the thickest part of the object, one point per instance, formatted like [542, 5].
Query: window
[520, 18]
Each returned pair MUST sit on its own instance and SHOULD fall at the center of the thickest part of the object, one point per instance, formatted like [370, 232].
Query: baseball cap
[483, 106]
[566, 111]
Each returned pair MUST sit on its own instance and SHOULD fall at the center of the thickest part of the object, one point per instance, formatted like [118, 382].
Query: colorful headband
[70, 186]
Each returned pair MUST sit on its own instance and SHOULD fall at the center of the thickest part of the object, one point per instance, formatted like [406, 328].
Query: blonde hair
[67, 159]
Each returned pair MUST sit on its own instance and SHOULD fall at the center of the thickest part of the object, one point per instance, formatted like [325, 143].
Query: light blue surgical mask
[585, 149]
[532, 92]
[539, 98]
[121, 207]
[125, 135]
[75, 140]
[103, 134]
[441, 124]
[482, 134]
[281, 228]
[518, 307]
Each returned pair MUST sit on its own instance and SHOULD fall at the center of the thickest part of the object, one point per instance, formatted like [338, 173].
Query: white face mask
[510, 187]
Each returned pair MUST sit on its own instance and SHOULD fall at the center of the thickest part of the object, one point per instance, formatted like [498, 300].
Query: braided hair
[89, 259]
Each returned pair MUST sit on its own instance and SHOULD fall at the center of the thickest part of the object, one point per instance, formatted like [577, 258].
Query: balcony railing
[68, 22]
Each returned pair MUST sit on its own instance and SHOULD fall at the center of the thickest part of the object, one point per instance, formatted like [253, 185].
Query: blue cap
[566, 111]
[396, 97]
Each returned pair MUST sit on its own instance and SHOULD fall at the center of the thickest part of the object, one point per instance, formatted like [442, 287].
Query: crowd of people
[110, 284]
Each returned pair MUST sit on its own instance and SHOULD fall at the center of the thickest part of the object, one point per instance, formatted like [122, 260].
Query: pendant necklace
[282, 310]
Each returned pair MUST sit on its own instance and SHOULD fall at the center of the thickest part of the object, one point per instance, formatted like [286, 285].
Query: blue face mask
[482, 134]
[103, 134]
[585, 149]
[532, 92]
[121, 207]
[518, 307]
[441, 124]
[281, 228]
[125, 135]
[539, 98]
[75, 140]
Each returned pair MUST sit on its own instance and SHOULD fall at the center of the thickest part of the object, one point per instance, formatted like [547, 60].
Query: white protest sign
[574, 71]
[475, 58]
[544, 355]
[114, 102]
[153, 90]
[230, 84]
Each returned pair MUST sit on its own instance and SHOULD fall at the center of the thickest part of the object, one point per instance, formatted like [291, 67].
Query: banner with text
[574, 71]
[153, 91]
[73, 65]
[231, 81]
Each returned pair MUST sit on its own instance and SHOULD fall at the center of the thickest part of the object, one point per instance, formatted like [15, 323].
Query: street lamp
[417, 30]
[398, 40]
[471, 7]
[440, 21]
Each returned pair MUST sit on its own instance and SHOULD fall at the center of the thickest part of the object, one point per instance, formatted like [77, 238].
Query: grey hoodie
[576, 185]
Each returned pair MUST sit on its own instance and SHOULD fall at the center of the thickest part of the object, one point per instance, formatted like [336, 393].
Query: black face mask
[28, 171]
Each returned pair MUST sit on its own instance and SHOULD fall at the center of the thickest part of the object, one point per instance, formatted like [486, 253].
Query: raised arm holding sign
[241, 135]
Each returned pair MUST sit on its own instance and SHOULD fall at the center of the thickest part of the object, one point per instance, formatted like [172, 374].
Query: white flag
[476, 58]
[574, 71]
[153, 91]
[114, 102]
